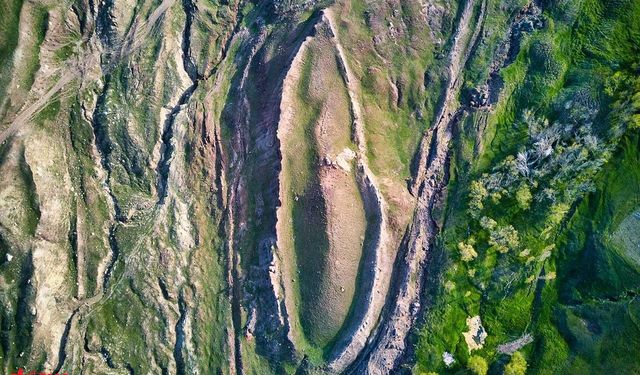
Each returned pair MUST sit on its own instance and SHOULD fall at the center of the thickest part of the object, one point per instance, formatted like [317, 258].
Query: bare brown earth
[378, 261]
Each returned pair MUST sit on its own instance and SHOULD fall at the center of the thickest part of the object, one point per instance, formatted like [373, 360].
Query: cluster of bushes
[554, 167]
[581, 77]
[624, 88]
[517, 208]
[477, 365]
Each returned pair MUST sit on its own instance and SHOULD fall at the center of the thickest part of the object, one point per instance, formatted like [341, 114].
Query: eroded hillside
[360, 187]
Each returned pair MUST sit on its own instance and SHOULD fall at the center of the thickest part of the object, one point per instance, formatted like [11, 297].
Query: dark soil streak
[62, 352]
[180, 337]
[115, 253]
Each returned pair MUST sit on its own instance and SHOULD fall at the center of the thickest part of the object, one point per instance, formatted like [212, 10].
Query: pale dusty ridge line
[390, 342]
[354, 341]
[280, 272]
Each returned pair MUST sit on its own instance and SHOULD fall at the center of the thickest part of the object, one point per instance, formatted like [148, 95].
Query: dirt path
[27, 114]
[138, 33]
[462, 43]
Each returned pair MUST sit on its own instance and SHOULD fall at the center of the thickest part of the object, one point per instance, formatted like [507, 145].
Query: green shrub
[504, 238]
[477, 194]
[467, 252]
[517, 365]
[478, 365]
[524, 197]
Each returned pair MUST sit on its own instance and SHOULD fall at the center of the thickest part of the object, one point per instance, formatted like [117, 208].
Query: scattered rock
[343, 160]
[515, 345]
[476, 334]
[479, 97]
[448, 359]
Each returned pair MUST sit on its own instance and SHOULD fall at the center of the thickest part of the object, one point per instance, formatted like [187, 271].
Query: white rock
[476, 333]
[448, 359]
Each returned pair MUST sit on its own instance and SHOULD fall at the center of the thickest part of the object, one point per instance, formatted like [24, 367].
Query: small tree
[504, 238]
[467, 252]
[495, 197]
[517, 365]
[524, 197]
[449, 286]
[477, 195]
[634, 123]
[488, 223]
[478, 365]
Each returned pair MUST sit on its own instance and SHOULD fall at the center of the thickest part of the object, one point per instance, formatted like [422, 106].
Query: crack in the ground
[389, 343]
[189, 66]
[104, 147]
[178, 355]
[62, 351]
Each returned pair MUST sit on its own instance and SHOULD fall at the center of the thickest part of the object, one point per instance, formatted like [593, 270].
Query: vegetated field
[597, 312]
[550, 207]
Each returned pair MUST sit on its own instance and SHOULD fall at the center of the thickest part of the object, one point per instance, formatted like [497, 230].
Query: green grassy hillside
[533, 243]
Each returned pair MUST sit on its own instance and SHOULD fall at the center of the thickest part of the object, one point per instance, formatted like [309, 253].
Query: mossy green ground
[583, 320]
[309, 243]
[393, 125]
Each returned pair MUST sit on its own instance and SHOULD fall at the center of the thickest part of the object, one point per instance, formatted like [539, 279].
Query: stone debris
[343, 160]
[448, 359]
[515, 345]
[476, 334]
